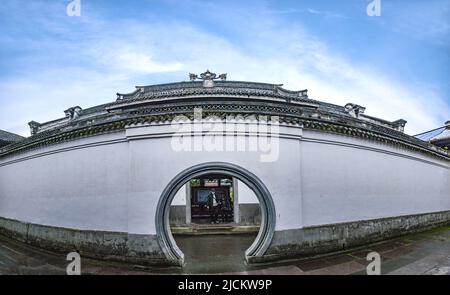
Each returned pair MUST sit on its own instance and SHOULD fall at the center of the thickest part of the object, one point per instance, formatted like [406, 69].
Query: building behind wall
[246, 211]
[7, 138]
[442, 139]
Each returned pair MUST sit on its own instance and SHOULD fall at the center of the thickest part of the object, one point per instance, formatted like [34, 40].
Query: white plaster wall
[147, 182]
[113, 182]
[246, 195]
[348, 183]
[84, 188]
[102, 183]
[180, 197]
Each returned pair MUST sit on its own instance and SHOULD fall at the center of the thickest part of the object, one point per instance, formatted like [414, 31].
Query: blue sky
[397, 65]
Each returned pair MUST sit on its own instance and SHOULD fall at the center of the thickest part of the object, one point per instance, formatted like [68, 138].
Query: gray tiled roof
[163, 101]
[9, 137]
[230, 88]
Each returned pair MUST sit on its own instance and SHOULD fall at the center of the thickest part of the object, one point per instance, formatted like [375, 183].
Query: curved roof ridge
[167, 90]
[226, 83]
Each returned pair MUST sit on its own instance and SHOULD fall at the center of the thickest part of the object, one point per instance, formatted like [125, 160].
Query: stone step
[213, 229]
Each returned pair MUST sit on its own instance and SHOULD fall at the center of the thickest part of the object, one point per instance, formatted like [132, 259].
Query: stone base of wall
[309, 241]
[118, 246]
[286, 244]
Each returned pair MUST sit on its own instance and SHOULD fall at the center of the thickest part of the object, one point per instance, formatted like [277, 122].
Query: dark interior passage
[212, 199]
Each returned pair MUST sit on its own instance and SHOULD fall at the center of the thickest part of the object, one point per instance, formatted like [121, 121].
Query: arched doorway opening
[267, 209]
[214, 218]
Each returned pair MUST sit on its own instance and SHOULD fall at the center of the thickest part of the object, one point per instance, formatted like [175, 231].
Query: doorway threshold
[214, 229]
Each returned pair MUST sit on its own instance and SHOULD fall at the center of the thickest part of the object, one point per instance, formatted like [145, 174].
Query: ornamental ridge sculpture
[208, 78]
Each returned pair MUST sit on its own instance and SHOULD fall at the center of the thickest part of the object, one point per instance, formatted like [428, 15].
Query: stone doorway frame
[268, 217]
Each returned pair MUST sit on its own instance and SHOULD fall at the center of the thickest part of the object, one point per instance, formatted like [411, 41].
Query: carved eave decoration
[58, 136]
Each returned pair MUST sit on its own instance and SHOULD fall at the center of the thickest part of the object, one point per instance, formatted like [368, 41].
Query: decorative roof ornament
[34, 127]
[207, 77]
[354, 110]
[73, 112]
[399, 125]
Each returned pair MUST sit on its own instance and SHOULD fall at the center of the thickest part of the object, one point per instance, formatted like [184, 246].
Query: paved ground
[422, 253]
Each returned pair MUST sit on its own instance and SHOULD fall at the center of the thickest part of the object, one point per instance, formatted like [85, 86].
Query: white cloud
[45, 96]
[329, 14]
[141, 63]
[136, 53]
[133, 60]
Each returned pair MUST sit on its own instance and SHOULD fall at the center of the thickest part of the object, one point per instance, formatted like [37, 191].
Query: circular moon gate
[266, 231]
